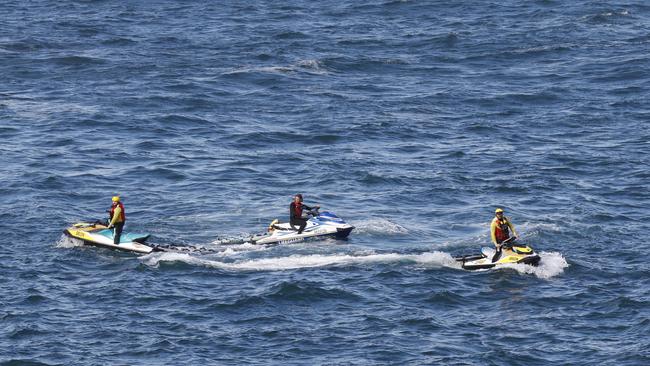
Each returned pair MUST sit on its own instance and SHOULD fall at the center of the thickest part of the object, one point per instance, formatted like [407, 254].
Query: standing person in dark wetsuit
[295, 213]
[117, 219]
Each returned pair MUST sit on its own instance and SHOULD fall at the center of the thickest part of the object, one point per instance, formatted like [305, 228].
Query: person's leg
[117, 233]
[497, 254]
[303, 223]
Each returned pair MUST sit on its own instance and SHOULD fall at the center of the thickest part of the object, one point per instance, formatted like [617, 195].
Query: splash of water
[68, 242]
[550, 265]
[379, 226]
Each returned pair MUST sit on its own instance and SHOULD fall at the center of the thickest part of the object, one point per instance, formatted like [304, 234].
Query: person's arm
[116, 214]
[292, 211]
[493, 230]
[311, 208]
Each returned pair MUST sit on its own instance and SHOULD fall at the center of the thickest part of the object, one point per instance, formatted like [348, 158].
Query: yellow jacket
[496, 226]
[117, 216]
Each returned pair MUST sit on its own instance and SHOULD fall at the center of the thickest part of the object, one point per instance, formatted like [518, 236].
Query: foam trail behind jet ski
[213, 250]
[241, 249]
[552, 263]
[379, 226]
[306, 261]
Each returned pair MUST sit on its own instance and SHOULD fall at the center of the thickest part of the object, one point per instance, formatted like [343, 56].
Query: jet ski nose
[342, 233]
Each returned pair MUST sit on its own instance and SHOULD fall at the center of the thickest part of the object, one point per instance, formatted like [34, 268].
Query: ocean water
[412, 120]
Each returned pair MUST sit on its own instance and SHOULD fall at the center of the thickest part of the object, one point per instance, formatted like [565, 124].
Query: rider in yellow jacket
[117, 219]
[500, 231]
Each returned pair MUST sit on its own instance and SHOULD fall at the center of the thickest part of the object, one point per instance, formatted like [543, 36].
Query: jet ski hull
[96, 234]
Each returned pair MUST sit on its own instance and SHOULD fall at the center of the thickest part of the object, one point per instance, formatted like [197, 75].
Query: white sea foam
[378, 226]
[265, 69]
[550, 265]
[68, 242]
[236, 249]
[436, 259]
[310, 66]
[39, 110]
[539, 226]
[305, 261]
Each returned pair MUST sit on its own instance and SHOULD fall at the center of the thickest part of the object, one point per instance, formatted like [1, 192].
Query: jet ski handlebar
[313, 212]
[508, 241]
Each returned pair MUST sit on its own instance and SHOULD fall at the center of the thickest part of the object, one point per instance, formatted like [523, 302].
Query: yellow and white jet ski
[98, 234]
[511, 253]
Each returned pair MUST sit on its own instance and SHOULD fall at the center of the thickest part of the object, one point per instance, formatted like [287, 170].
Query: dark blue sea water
[413, 120]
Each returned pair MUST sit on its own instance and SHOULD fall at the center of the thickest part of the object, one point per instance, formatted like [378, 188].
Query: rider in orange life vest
[500, 231]
[117, 219]
[295, 213]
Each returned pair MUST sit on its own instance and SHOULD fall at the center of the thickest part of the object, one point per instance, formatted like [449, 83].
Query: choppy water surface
[411, 120]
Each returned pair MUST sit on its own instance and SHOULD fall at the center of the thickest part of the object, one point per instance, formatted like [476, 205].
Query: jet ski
[319, 225]
[512, 252]
[98, 234]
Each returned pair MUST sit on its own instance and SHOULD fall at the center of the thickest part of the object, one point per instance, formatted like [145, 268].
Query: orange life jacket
[502, 230]
[122, 213]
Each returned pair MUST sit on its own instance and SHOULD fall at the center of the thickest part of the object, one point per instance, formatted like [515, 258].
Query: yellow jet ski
[511, 253]
[98, 234]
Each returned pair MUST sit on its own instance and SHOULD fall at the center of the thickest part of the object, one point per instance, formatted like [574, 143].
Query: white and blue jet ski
[319, 225]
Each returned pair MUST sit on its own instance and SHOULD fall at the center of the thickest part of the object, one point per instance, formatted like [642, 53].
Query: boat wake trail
[551, 264]
[194, 249]
[436, 259]
[217, 248]
[235, 257]
[379, 226]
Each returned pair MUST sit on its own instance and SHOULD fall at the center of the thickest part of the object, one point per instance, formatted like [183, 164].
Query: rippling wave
[410, 120]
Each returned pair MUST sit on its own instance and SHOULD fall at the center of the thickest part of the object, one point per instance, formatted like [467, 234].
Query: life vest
[297, 210]
[122, 213]
[501, 230]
